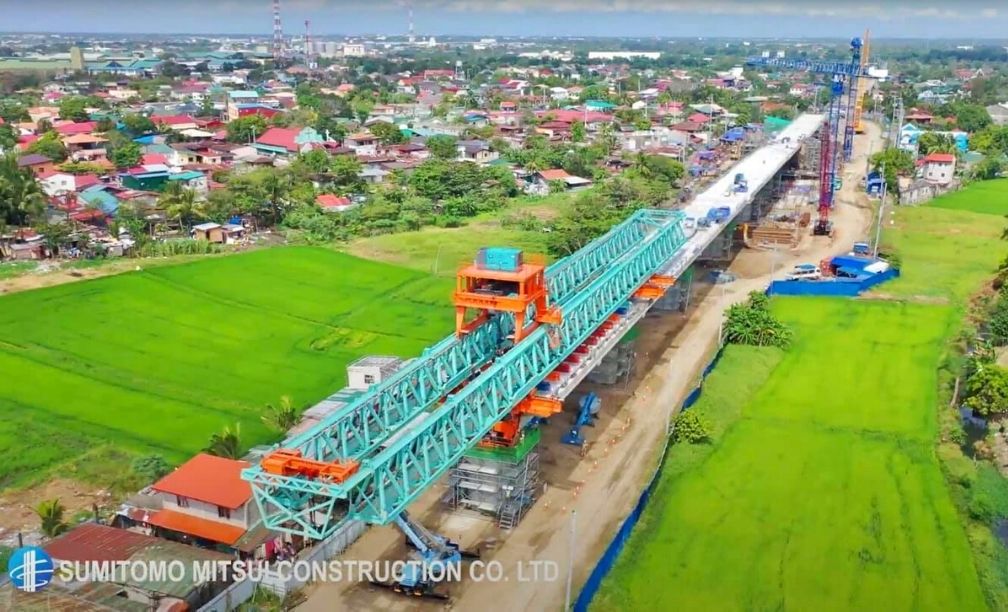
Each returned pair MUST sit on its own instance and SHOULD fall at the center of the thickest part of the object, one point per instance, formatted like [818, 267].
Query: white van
[805, 272]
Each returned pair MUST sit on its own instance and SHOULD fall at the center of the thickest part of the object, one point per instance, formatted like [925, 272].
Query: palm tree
[51, 513]
[180, 203]
[227, 443]
[640, 164]
[21, 198]
[281, 417]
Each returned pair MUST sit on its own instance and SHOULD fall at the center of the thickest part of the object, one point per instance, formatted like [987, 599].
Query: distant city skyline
[964, 19]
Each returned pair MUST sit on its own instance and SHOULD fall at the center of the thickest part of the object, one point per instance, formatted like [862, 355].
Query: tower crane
[862, 84]
[843, 77]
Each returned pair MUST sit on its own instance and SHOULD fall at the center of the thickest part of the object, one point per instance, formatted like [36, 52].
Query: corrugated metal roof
[93, 542]
[215, 480]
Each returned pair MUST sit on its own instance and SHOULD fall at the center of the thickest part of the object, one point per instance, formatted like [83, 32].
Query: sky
[960, 19]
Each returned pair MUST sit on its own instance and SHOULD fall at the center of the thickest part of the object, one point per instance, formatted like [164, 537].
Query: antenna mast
[278, 40]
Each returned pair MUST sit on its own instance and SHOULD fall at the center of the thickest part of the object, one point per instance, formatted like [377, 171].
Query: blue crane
[434, 559]
[843, 80]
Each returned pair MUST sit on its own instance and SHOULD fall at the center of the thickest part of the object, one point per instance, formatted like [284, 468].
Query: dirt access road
[603, 486]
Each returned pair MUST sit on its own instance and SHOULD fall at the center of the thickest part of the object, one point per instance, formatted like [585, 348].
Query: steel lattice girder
[362, 426]
[842, 68]
[390, 481]
[368, 421]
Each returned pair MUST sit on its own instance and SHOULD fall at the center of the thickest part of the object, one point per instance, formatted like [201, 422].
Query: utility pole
[570, 561]
[881, 210]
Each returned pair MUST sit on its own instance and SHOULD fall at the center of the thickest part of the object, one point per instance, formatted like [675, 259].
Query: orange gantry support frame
[655, 287]
[486, 291]
[285, 462]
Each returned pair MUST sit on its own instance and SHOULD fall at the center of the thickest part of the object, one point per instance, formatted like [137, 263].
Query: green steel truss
[358, 430]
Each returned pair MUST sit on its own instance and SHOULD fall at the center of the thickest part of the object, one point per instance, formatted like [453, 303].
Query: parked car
[805, 272]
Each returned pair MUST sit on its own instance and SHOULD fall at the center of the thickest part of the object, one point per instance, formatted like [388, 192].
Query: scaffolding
[497, 483]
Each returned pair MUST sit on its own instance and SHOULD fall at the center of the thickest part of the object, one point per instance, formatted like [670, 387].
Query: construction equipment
[434, 560]
[842, 76]
[862, 84]
[481, 390]
[741, 184]
[588, 409]
[719, 214]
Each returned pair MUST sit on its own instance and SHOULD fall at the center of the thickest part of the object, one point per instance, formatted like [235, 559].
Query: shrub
[150, 467]
[691, 427]
[752, 323]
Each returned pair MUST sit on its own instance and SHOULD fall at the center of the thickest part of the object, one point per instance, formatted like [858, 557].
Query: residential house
[287, 142]
[37, 163]
[90, 543]
[127, 66]
[540, 183]
[220, 234]
[939, 168]
[475, 151]
[152, 177]
[176, 123]
[333, 203]
[59, 183]
[593, 120]
[70, 128]
[85, 147]
[203, 502]
[191, 179]
[101, 197]
[362, 143]
[919, 116]
[238, 99]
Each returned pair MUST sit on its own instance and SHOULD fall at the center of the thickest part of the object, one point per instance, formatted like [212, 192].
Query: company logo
[30, 568]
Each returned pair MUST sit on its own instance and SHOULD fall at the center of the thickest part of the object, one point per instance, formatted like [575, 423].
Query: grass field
[156, 361]
[825, 492]
[988, 197]
[952, 245]
[443, 250]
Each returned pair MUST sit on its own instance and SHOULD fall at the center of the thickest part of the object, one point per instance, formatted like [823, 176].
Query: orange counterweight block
[487, 291]
[655, 287]
[286, 462]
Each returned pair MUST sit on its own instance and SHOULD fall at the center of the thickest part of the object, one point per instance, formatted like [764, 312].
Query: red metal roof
[939, 158]
[280, 137]
[554, 175]
[173, 119]
[216, 531]
[698, 118]
[210, 479]
[570, 116]
[69, 129]
[94, 542]
[328, 200]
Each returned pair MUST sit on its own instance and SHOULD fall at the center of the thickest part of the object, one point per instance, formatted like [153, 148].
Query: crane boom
[843, 75]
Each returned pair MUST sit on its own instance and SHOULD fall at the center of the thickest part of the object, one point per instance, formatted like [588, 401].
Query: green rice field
[156, 361]
[951, 245]
[821, 489]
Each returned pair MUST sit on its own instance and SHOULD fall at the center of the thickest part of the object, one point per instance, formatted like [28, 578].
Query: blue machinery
[843, 75]
[430, 564]
[373, 457]
[588, 409]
